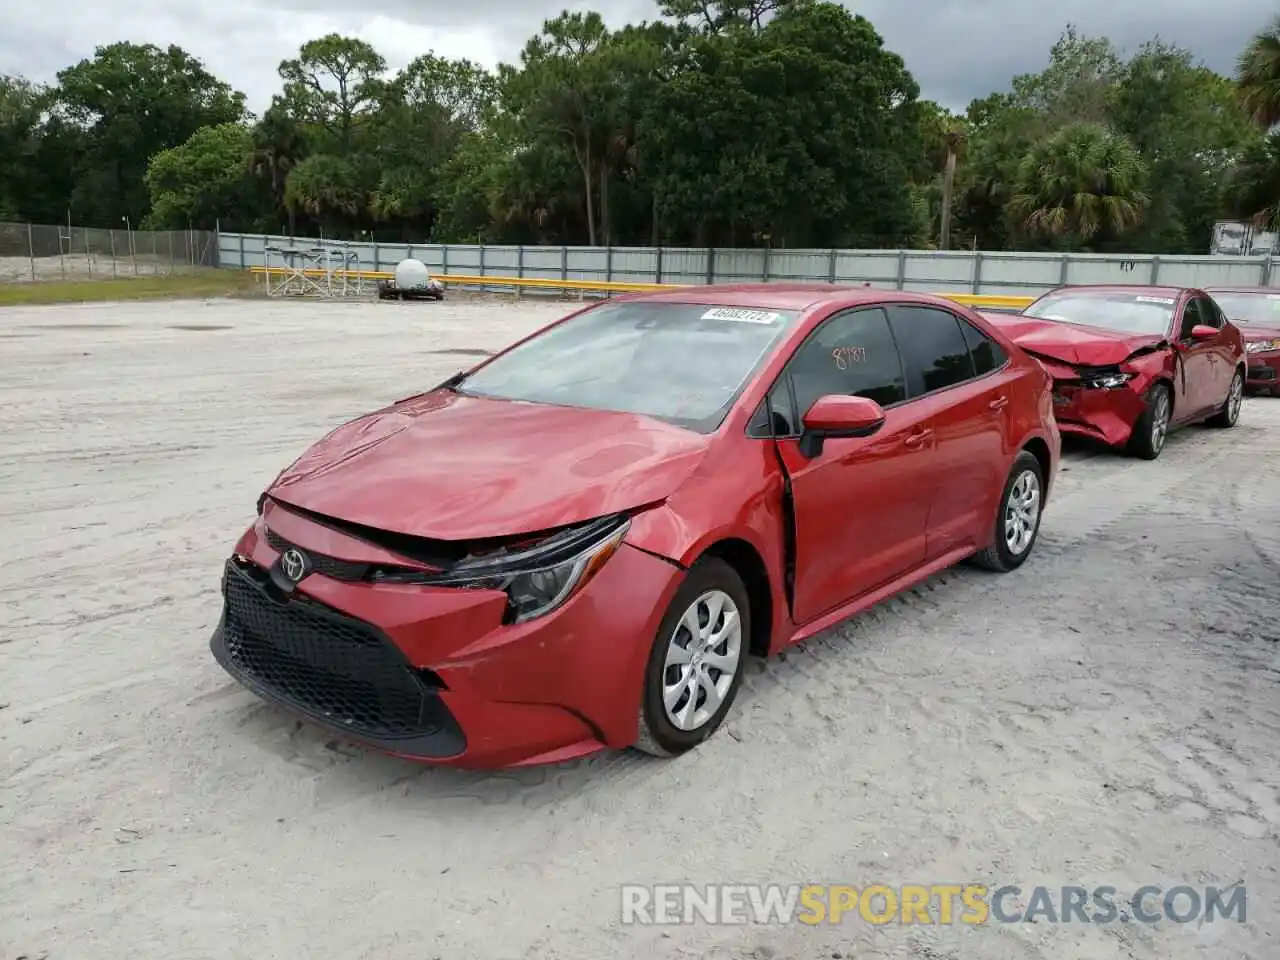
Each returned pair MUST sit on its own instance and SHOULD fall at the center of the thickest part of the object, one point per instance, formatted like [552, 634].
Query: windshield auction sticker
[741, 316]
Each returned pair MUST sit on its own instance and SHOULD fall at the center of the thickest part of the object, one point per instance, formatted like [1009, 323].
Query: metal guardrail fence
[301, 281]
[44, 252]
[1003, 274]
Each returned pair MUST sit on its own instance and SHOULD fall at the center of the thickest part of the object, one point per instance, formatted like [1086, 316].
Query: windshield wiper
[452, 383]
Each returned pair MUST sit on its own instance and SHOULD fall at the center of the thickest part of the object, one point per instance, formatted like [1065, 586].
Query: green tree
[1252, 188]
[1003, 127]
[426, 111]
[278, 145]
[1189, 128]
[335, 84]
[711, 16]
[1258, 76]
[1079, 187]
[564, 91]
[133, 101]
[329, 189]
[204, 181]
[21, 106]
[805, 130]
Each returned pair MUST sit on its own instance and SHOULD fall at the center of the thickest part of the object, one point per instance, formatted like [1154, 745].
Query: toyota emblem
[293, 564]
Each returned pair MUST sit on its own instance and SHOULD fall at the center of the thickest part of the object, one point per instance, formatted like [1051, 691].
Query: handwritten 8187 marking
[847, 355]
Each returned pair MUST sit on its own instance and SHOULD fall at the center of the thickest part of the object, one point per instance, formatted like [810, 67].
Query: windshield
[1261, 308]
[1122, 311]
[680, 362]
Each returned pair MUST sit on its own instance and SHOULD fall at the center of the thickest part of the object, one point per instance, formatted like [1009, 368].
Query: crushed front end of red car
[1099, 402]
[1100, 377]
[444, 668]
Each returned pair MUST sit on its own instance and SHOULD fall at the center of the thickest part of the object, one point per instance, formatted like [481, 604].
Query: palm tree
[1079, 184]
[1258, 76]
[953, 141]
[277, 148]
[1252, 189]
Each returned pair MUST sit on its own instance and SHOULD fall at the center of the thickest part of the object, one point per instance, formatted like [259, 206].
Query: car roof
[1135, 288]
[783, 296]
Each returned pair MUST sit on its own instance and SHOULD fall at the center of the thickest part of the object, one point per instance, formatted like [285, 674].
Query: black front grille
[1262, 373]
[330, 665]
[350, 571]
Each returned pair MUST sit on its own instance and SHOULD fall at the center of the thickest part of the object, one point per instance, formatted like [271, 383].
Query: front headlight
[536, 579]
[1108, 381]
[1262, 346]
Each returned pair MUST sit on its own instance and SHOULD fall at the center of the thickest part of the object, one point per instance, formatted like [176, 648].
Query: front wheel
[1152, 428]
[1018, 522]
[1229, 413]
[695, 665]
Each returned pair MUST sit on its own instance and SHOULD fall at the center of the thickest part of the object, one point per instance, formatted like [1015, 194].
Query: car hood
[1069, 342]
[450, 467]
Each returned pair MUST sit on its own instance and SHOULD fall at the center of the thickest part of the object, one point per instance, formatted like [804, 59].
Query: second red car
[1256, 311]
[1131, 363]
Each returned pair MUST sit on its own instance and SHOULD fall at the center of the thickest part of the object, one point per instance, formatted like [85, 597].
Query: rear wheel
[1018, 522]
[1229, 413]
[1152, 429]
[695, 665]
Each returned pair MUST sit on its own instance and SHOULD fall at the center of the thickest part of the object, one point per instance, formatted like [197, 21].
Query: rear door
[862, 503]
[962, 378]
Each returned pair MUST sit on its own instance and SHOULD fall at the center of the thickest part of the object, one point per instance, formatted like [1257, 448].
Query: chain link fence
[36, 252]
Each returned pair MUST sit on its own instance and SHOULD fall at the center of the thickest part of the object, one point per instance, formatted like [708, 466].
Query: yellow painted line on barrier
[546, 283]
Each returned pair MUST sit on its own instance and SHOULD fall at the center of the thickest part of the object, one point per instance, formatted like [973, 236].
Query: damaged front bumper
[1097, 403]
[433, 673]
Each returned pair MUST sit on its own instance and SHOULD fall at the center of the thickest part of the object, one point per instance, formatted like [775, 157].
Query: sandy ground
[1107, 715]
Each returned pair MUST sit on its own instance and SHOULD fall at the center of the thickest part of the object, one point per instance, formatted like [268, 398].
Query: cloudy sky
[957, 50]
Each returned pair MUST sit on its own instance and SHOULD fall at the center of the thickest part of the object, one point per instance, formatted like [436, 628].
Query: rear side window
[986, 353]
[935, 354]
[851, 354]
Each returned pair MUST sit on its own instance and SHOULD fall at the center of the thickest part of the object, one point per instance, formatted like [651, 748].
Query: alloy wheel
[1022, 512]
[1160, 421]
[702, 660]
[1235, 399]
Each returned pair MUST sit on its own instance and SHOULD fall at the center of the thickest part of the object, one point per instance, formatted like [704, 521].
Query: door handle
[917, 440]
[999, 403]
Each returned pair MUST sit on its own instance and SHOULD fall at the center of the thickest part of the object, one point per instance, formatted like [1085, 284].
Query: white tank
[411, 274]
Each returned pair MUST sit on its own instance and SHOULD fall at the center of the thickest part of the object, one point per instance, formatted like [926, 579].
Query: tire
[1149, 433]
[659, 735]
[1025, 488]
[1228, 414]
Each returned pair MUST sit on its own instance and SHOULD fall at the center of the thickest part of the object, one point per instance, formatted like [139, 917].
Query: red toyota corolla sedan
[576, 544]
[1130, 363]
[1256, 311]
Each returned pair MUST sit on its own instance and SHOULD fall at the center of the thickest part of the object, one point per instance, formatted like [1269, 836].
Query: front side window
[680, 362]
[1193, 316]
[934, 351]
[1122, 311]
[850, 354]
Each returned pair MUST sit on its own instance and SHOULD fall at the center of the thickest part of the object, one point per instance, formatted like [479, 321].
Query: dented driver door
[861, 504]
[1197, 389]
